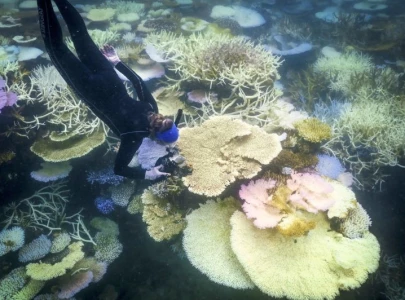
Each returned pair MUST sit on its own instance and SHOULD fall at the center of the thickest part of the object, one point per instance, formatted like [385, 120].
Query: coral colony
[267, 169]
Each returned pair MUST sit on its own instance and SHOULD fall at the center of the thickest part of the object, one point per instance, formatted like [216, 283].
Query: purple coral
[104, 205]
[6, 98]
[329, 166]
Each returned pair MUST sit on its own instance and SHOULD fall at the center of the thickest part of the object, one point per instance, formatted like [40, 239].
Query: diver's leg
[75, 73]
[86, 49]
[70, 68]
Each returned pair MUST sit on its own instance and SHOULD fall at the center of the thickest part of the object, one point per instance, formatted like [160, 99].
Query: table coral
[222, 150]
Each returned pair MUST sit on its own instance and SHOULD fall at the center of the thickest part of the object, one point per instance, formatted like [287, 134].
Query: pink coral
[310, 192]
[257, 204]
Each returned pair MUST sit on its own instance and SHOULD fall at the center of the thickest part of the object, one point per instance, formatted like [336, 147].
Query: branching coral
[63, 108]
[368, 134]
[213, 59]
[340, 69]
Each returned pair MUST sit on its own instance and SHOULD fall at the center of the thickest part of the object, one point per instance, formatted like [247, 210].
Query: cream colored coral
[163, 220]
[314, 266]
[100, 14]
[222, 150]
[208, 247]
[346, 200]
[340, 69]
[43, 271]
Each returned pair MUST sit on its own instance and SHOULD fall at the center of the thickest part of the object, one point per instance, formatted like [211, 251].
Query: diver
[92, 77]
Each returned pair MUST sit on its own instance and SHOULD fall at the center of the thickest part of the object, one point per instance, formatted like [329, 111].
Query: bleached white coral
[340, 69]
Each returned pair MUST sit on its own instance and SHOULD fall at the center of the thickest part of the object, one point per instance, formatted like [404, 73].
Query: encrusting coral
[163, 219]
[313, 130]
[222, 150]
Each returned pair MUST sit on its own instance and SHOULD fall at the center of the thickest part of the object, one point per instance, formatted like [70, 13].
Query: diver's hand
[155, 173]
[110, 53]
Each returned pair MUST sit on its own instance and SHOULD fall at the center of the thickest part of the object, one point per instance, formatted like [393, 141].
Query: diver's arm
[140, 87]
[126, 152]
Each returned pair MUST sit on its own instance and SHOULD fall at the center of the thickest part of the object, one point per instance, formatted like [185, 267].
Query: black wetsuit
[93, 79]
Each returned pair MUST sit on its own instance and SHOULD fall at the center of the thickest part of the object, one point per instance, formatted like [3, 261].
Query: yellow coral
[207, 245]
[222, 150]
[296, 161]
[77, 146]
[314, 266]
[43, 271]
[135, 205]
[29, 290]
[6, 156]
[163, 220]
[313, 130]
[292, 225]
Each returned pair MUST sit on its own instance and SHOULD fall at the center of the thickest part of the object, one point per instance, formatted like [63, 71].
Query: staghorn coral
[340, 69]
[63, 109]
[207, 244]
[222, 150]
[368, 135]
[163, 219]
[214, 59]
[313, 130]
